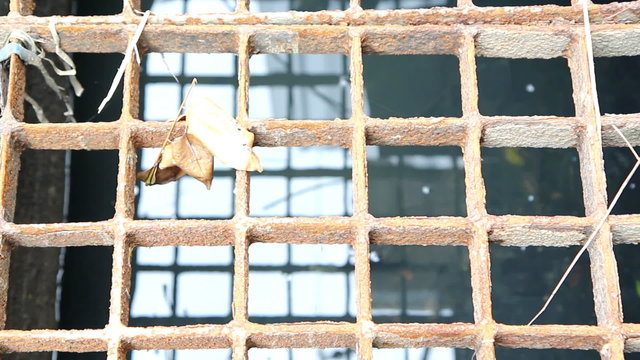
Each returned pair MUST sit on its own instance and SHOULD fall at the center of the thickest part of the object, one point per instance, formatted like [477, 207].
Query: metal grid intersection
[465, 31]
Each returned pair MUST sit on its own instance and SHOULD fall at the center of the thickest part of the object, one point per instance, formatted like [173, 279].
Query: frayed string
[24, 46]
[131, 48]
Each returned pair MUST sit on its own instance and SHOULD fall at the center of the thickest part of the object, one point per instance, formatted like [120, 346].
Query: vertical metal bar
[240, 350]
[578, 3]
[464, 3]
[22, 7]
[15, 89]
[125, 200]
[242, 5]
[125, 191]
[130, 6]
[244, 53]
[9, 156]
[131, 91]
[10, 163]
[360, 204]
[9, 168]
[242, 177]
[479, 257]
[604, 270]
[241, 248]
[120, 285]
[5, 258]
[241, 276]
[124, 211]
[358, 119]
[240, 293]
[116, 350]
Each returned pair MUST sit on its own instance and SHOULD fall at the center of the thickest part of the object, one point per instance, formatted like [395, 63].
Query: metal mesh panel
[465, 31]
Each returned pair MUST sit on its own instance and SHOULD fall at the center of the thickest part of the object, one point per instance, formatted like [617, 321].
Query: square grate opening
[300, 282]
[297, 5]
[615, 161]
[301, 354]
[629, 281]
[201, 354]
[421, 353]
[528, 181]
[521, 3]
[516, 290]
[181, 285]
[416, 181]
[616, 87]
[80, 307]
[526, 354]
[299, 86]
[405, 4]
[520, 87]
[430, 284]
[388, 91]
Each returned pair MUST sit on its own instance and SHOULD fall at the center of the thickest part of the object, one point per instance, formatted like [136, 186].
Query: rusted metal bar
[124, 210]
[575, 337]
[475, 198]
[5, 258]
[604, 271]
[426, 335]
[14, 108]
[9, 168]
[120, 285]
[242, 5]
[21, 7]
[240, 305]
[9, 165]
[127, 157]
[504, 230]
[364, 333]
[131, 91]
[514, 41]
[497, 132]
[612, 13]
[632, 335]
[53, 340]
[130, 6]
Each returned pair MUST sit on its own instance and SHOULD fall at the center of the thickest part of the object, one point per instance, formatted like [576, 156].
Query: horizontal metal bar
[502, 131]
[457, 335]
[60, 235]
[552, 336]
[171, 337]
[498, 132]
[512, 41]
[516, 15]
[444, 231]
[53, 340]
[539, 230]
[320, 334]
[632, 336]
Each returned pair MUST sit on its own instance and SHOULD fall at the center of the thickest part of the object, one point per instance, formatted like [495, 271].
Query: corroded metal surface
[465, 31]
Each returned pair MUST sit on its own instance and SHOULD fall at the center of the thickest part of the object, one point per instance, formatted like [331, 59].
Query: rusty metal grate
[465, 31]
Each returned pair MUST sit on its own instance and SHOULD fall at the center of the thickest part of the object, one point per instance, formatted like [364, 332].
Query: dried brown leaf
[157, 176]
[191, 156]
